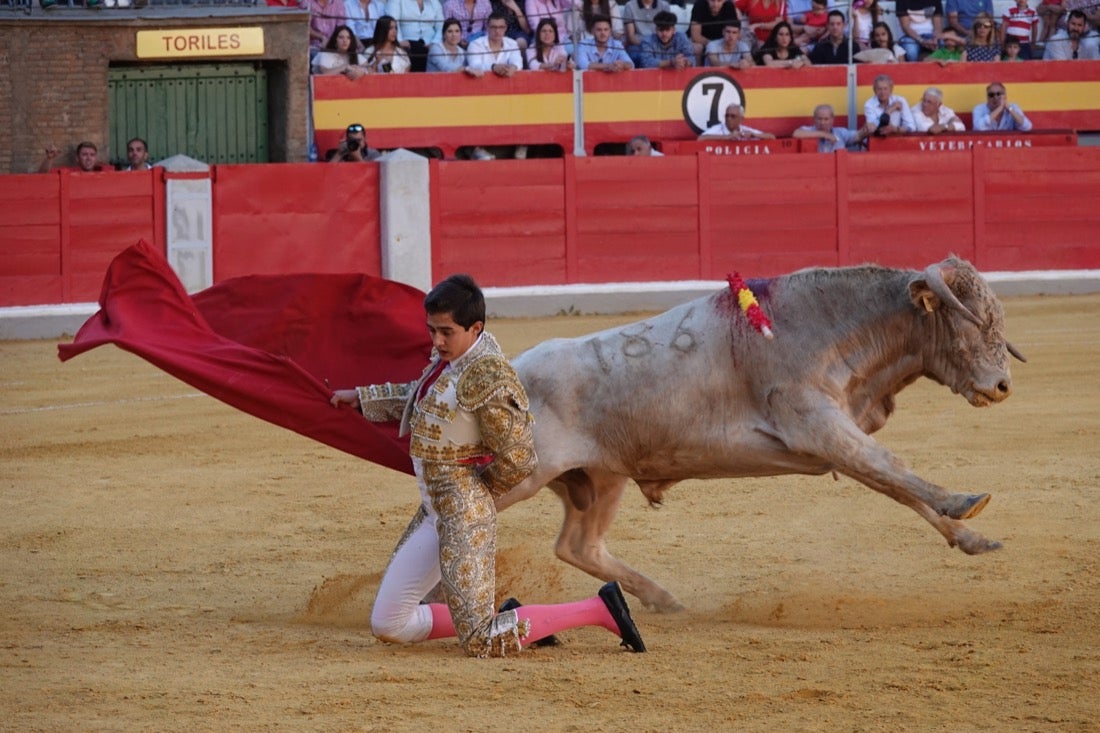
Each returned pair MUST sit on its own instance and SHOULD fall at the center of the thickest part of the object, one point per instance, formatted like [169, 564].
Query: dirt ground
[170, 564]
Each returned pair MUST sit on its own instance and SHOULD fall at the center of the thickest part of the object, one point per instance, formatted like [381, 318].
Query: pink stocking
[442, 625]
[547, 620]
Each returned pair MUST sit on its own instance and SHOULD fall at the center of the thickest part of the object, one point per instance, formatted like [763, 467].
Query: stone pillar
[406, 219]
[189, 220]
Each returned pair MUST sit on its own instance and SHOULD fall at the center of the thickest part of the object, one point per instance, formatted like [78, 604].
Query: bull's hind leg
[581, 540]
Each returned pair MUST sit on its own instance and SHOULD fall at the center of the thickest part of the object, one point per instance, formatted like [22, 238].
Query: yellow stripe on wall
[472, 111]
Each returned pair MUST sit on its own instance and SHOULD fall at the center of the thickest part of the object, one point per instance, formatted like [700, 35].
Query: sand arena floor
[170, 564]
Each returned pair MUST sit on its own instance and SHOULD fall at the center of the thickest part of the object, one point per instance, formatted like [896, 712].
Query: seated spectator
[865, 16]
[780, 52]
[518, 29]
[1050, 18]
[602, 52]
[384, 55]
[1011, 49]
[708, 18]
[353, 148]
[362, 16]
[419, 25]
[883, 50]
[982, 43]
[732, 129]
[731, 50]
[1075, 42]
[610, 9]
[763, 17]
[829, 138]
[960, 14]
[87, 160]
[547, 53]
[921, 24]
[640, 145]
[471, 16]
[833, 47]
[931, 115]
[324, 16]
[888, 113]
[667, 48]
[448, 55]
[811, 26]
[951, 52]
[998, 114]
[560, 11]
[638, 16]
[1022, 23]
[340, 55]
[495, 51]
[137, 155]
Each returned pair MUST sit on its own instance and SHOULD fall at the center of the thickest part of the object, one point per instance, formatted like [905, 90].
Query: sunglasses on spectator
[995, 94]
[355, 128]
[985, 25]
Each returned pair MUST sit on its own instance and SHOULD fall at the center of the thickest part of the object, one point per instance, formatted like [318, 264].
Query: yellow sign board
[200, 42]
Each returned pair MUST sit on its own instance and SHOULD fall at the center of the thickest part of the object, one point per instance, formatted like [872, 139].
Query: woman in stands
[763, 16]
[340, 55]
[606, 9]
[780, 51]
[547, 53]
[981, 45]
[384, 56]
[448, 55]
[883, 49]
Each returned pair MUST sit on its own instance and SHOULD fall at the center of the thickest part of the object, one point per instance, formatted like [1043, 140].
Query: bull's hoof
[965, 506]
[979, 545]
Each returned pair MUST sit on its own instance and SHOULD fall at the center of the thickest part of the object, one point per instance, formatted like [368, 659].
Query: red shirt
[1019, 23]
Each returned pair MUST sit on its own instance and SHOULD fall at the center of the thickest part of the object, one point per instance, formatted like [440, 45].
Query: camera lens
[883, 120]
[353, 145]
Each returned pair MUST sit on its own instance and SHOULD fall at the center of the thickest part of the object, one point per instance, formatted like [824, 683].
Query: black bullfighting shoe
[612, 596]
[512, 603]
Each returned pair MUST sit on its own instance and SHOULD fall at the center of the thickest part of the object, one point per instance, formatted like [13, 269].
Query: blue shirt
[654, 52]
[982, 120]
[845, 140]
[968, 10]
[587, 54]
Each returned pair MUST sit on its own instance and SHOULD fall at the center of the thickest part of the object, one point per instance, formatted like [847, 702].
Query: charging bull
[697, 393]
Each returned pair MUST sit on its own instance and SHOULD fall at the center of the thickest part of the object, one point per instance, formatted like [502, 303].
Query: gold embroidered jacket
[476, 408]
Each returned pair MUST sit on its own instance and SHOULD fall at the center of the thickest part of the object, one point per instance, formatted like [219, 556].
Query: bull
[696, 393]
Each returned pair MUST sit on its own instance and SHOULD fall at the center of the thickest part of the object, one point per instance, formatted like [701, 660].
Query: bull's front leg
[832, 436]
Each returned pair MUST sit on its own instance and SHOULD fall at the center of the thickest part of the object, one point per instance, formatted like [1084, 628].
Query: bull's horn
[934, 277]
[1015, 352]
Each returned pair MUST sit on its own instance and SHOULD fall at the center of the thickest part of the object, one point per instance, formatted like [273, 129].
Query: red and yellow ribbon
[749, 306]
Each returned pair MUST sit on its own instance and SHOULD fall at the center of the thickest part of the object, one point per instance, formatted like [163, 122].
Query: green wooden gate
[216, 113]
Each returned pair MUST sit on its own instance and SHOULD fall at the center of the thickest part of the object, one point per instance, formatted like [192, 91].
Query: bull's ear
[933, 288]
[922, 295]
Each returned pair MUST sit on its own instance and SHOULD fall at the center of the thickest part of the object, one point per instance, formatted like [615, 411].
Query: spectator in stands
[495, 51]
[708, 18]
[640, 145]
[1075, 42]
[593, 9]
[883, 49]
[865, 16]
[667, 48]
[638, 17]
[733, 129]
[419, 25]
[1010, 49]
[998, 113]
[137, 155]
[951, 52]
[1050, 13]
[931, 115]
[518, 29]
[1022, 23]
[448, 55]
[324, 16]
[961, 14]
[921, 26]
[731, 50]
[560, 11]
[385, 55]
[780, 52]
[602, 52]
[362, 16]
[471, 15]
[830, 138]
[889, 113]
[340, 55]
[982, 44]
[547, 53]
[763, 16]
[809, 27]
[833, 48]
[87, 159]
[353, 148]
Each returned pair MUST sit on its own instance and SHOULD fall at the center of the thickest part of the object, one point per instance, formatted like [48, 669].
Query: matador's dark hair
[460, 296]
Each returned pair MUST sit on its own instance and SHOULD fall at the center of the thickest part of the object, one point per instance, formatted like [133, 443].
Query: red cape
[273, 346]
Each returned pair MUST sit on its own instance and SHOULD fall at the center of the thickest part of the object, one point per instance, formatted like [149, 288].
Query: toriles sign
[200, 42]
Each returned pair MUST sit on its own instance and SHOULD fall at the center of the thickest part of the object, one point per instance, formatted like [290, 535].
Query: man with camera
[353, 148]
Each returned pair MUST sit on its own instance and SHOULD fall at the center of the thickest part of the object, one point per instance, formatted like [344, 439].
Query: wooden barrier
[779, 146]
